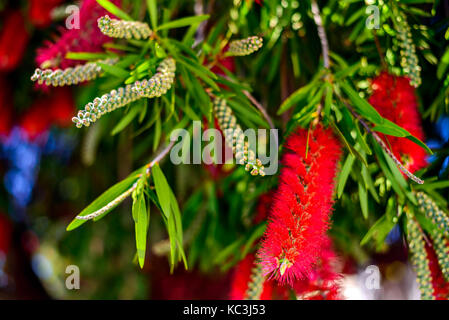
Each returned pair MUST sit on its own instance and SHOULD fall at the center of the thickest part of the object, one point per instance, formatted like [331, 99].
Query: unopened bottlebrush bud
[409, 59]
[158, 85]
[235, 138]
[441, 247]
[124, 29]
[244, 47]
[433, 212]
[70, 76]
[416, 244]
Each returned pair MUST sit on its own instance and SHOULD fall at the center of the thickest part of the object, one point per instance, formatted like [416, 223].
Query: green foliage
[209, 219]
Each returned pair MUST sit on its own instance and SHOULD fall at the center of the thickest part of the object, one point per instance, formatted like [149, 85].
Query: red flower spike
[322, 283]
[303, 203]
[242, 277]
[394, 98]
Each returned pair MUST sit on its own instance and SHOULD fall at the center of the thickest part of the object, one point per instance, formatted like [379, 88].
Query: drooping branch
[382, 143]
[114, 203]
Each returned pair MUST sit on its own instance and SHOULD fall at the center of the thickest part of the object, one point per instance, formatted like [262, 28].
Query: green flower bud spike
[418, 258]
[158, 85]
[432, 212]
[409, 59]
[124, 29]
[255, 284]
[244, 47]
[235, 138]
[441, 247]
[70, 76]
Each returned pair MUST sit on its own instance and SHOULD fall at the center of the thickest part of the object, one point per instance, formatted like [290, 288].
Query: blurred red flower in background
[40, 12]
[395, 99]
[5, 108]
[13, 41]
[56, 107]
[5, 233]
[86, 39]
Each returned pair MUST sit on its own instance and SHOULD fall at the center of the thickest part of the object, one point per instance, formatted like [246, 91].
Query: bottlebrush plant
[347, 101]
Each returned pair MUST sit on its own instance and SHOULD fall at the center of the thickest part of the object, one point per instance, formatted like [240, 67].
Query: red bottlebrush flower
[303, 203]
[440, 286]
[394, 98]
[322, 283]
[86, 39]
[40, 12]
[13, 41]
[5, 108]
[242, 278]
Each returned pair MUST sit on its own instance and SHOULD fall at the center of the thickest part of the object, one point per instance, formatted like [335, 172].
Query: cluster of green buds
[155, 87]
[244, 47]
[256, 282]
[433, 212]
[419, 259]
[409, 59]
[235, 138]
[441, 247]
[124, 29]
[70, 76]
[160, 83]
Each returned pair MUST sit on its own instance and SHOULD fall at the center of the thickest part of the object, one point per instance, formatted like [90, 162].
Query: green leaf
[183, 22]
[178, 225]
[296, 97]
[344, 174]
[369, 184]
[328, 100]
[152, 9]
[379, 230]
[126, 120]
[201, 72]
[116, 11]
[114, 70]
[87, 55]
[362, 106]
[157, 133]
[388, 174]
[363, 197]
[162, 190]
[139, 210]
[108, 196]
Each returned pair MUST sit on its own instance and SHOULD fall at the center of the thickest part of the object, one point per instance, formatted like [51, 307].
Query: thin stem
[263, 111]
[382, 144]
[128, 192]
[321, 33]
[379, 50]
[260, 107]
